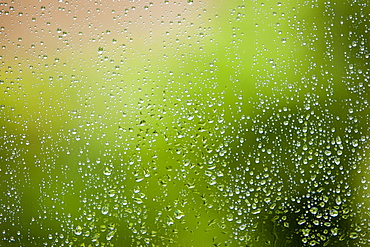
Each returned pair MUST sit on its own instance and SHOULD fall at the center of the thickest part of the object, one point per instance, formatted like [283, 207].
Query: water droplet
[334, 213]
[179, 214]
[111, 193]
[138, 200]
[301, 221]
[314, 210]
[353, 235]
[107, 171]
[170, 221]
[105, 209]
[78, 230]
[256, 211]
[338, 200]
[110, 235]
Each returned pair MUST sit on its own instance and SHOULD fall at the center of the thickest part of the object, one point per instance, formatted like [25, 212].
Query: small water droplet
[179, 214]
[107, 171]
[105, 209]
[353, 235]
[110, 235]
[78, 230]
[333, 213]
[314, 210]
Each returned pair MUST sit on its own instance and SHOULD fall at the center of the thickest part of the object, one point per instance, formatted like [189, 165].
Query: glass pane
[184, 123]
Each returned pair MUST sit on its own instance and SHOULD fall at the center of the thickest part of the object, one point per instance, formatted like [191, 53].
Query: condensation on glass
[184, 123]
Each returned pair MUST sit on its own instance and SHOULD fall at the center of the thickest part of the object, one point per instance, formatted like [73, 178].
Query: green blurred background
[184, 123]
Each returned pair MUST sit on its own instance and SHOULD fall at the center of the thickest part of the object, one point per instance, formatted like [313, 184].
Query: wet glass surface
[184, 123]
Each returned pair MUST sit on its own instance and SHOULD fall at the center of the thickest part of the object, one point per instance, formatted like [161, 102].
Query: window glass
[184, 123]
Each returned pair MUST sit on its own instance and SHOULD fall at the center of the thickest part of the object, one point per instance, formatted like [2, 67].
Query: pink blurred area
[32, 26]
